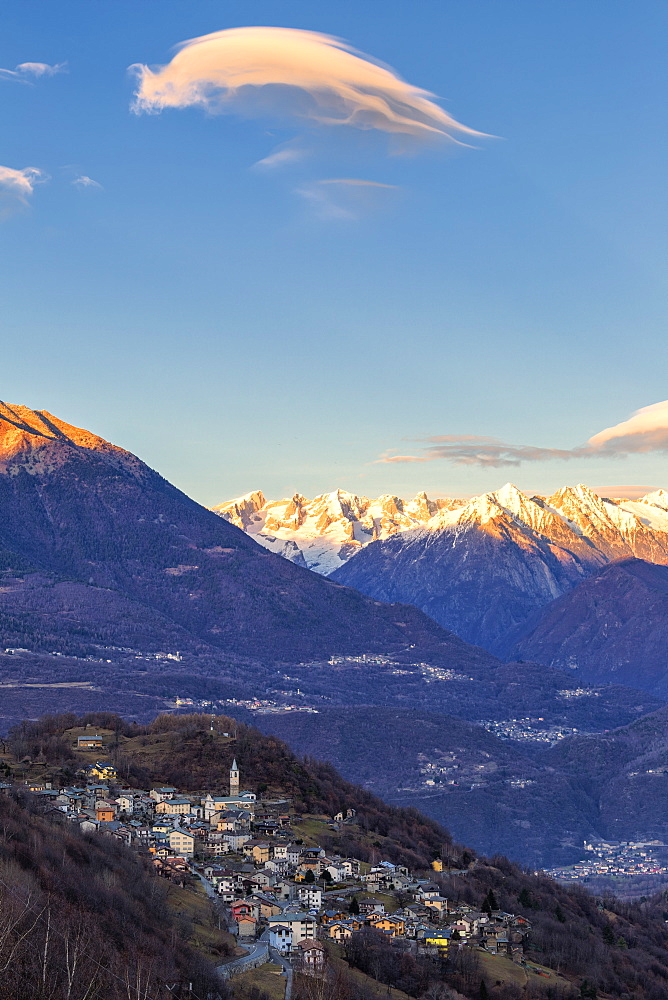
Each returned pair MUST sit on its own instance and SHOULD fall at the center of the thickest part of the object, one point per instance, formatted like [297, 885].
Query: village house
[301, 925]
[310, 896]
[182, 842]
[280, 938]
[259, 850]
[309, 957]
[160, 794]
[394, 926]
[104, 812]
[267, 907]
[440, 940]
[173, 807]
[89, 742]
[371, 905]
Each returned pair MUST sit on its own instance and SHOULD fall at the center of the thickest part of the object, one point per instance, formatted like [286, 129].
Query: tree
[309, 877]
[524, 898]
[490, 902]
[354, 907]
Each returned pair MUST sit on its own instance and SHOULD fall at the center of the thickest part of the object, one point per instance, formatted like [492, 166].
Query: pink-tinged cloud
[645, 431]
[265, 71]
[16, 186]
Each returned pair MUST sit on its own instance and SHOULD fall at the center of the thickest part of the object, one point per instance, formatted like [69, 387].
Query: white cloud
[287, 152]
[16, 186]
[84, 181]
[645, 431]
[304, 75]
[27, 70]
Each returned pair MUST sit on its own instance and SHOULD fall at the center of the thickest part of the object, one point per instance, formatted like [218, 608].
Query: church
[235, 800]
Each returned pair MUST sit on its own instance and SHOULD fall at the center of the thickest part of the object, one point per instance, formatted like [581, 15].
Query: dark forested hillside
[78, 508]
[612, 628]
[603, 948]
[81, 917]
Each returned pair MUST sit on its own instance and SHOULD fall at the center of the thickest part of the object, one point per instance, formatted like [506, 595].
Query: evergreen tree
[354, 907]
[490, 902]
[524, 898]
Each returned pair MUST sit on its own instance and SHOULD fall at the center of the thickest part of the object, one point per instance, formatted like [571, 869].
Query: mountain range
[117, 591]
[487, 568]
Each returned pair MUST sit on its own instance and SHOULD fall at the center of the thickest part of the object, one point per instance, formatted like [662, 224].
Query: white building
[302, 926]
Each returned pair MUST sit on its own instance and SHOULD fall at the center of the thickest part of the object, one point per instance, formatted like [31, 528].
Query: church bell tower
[234, 778]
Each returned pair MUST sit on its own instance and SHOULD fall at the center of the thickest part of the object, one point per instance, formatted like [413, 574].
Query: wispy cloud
[281, 156]
[286, 72]
[26, 72]
[645, 431]
[16, 187]
[83, 181]
[344, 197]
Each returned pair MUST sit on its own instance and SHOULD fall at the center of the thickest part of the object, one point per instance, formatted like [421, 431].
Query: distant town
[615, 860]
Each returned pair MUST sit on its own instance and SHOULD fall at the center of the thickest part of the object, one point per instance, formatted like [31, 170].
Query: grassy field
[500, 969]
[267, 978]
[311, 828]
[194, 906]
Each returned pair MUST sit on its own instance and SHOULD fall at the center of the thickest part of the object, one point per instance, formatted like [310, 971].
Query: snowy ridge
[576, 523]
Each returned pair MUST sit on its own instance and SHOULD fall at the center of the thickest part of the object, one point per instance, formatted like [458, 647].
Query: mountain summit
[481, 567]
[92, 520]
[37, 442]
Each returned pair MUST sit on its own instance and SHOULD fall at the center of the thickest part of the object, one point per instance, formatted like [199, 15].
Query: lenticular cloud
[645, 430]
[286, 71]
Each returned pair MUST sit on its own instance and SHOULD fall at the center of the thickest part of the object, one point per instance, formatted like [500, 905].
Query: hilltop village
[259, 860]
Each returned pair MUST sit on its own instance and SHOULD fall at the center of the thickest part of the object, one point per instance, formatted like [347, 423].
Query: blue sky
[244, 328]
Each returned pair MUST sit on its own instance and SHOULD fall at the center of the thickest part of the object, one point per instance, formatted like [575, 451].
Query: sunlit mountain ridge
[325, 532]
[483, 567]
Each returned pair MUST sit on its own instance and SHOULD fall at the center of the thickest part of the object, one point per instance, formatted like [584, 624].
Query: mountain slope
[481, 567]
[505, 556]
[489, 792]
[626, 771]
[76, 507]
[612, 627]
[83, 918]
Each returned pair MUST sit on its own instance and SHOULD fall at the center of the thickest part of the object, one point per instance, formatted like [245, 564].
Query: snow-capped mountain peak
[577, 524]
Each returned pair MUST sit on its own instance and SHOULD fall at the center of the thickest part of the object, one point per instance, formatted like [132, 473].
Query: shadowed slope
[76, 506]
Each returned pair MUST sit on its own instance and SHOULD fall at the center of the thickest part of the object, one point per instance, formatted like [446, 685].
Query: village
[616, 859]
[283, 896]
